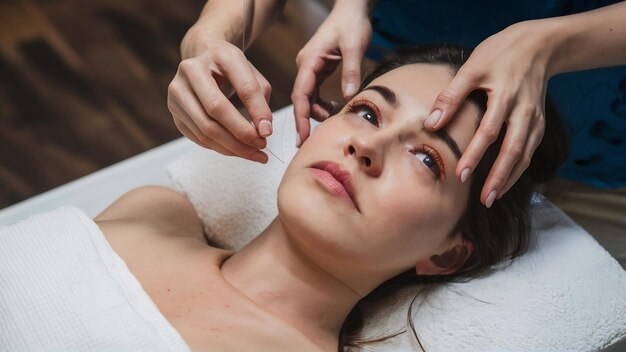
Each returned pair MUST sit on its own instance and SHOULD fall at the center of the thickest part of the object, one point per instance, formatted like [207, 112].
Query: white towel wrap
[63, 288]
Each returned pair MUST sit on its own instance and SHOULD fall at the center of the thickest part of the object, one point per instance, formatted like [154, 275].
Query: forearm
[224, 20]
[365, 7]
[588, 40]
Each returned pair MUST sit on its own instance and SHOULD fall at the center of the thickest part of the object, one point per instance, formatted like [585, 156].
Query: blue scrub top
[592, 103]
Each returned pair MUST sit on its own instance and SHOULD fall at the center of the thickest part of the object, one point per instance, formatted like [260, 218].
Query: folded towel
[62, 288]
[228, 182]
[566, 294]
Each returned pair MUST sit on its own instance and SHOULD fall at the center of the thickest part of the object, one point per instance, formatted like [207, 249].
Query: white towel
[63, 288]
[226, 183]
[566, 294]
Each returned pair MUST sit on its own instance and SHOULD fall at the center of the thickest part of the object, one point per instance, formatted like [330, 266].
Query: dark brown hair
[502, 232]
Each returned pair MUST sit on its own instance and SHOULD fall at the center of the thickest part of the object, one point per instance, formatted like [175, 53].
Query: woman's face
[404, 198]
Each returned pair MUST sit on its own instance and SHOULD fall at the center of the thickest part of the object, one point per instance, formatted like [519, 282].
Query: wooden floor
[83, 84]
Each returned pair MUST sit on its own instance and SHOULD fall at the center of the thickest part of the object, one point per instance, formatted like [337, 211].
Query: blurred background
[83, 84]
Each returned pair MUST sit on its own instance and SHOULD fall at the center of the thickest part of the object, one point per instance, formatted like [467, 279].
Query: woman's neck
[274, 274]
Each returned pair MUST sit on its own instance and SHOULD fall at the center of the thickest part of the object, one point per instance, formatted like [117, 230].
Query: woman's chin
[317, 219]
[303, 200]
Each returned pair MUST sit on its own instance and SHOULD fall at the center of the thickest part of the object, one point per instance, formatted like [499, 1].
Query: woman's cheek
[352, 120]
[413, 210]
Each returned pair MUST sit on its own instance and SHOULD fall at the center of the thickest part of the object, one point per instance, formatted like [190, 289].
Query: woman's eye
[429, 161]
[368, 115]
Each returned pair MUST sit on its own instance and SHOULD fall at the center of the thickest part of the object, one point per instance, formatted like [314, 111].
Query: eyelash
[439, 169]
[358, 105]
[361, 104]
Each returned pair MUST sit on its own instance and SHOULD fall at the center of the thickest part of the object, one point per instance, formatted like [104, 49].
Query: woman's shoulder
[155, 229]
[160, 208]
[151, 223]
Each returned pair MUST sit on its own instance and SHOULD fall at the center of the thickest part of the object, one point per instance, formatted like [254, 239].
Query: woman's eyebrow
[444, 136]
[390, 98]
[388, 94]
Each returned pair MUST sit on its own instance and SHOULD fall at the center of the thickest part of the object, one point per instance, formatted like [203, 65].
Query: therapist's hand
[511, 67]
[198, 100]
[344, 36]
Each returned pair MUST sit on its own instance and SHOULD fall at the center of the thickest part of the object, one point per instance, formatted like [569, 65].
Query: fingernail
[259, 143]
[465, 174]
[298, 141]
[490, 198]
[265, 128]
[433, 118]
[349, 89]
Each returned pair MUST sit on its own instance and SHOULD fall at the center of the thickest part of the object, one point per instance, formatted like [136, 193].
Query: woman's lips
[336, 180]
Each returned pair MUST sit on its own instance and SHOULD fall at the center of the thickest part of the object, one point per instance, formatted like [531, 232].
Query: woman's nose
[367, 153]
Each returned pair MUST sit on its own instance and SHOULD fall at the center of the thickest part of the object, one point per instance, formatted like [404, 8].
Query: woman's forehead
[416, 87]
[416, 83]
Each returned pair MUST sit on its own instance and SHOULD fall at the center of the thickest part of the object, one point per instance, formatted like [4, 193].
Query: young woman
[370, 201]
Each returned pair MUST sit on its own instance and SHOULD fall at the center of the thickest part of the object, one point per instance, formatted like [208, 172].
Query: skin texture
[295, 283]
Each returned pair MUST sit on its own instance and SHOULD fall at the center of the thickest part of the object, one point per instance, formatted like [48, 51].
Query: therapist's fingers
[266, 87]
[209, 132]
[487, 133]
[534, 139]
[451, 98]
[301, 96]
[190, 130]
[313, 68]
[267, 128]
[252, 95]
[200, 85]
[511, 153]
[323, 109]
[182, 127]
[352, 54]
[189, 134]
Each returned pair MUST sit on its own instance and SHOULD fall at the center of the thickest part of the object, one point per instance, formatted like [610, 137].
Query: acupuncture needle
[268, 149]
[243, 50]
[275, 156]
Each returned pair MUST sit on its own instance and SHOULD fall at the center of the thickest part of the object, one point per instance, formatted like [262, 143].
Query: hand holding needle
[198, 99]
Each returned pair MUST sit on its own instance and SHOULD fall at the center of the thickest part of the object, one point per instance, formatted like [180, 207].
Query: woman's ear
[447, 262]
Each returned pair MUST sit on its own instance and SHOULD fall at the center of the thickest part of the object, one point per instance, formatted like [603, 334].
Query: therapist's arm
[223, 20]
[213, 67]
[589, 40]
[513, 68]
